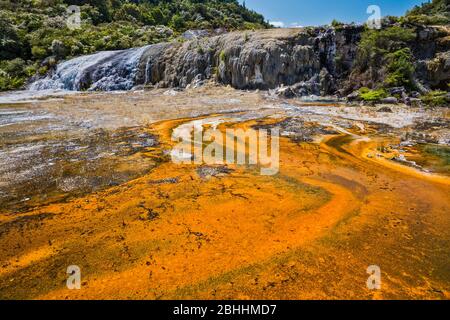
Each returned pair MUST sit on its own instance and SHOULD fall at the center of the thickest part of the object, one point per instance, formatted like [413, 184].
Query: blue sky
[320, 12]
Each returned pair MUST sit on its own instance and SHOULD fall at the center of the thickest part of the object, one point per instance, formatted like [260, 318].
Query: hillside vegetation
[404, 53]
[434, 12]
[409, 55]
[32, 31]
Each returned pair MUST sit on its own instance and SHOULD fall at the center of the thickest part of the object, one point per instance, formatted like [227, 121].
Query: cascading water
[105, 71]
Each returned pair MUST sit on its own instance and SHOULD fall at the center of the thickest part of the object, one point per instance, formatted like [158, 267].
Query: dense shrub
[400, 69]
[435, 12]
[372, 95]
[376, 44]
[13, 73]
[436, 99]
[385, 57]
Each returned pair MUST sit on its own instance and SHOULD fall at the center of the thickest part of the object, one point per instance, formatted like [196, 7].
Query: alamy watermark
[374, 280]
[74, 279]
[74, 19]
[374, 21]
[233, 146]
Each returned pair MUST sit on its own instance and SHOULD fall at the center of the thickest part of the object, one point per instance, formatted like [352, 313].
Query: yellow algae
[17, 263]
[308, 232]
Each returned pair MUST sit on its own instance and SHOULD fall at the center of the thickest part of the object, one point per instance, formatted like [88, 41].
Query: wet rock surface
[53, 150]
[45, 158]
[347, 193]
[207, 172]
[297, 130]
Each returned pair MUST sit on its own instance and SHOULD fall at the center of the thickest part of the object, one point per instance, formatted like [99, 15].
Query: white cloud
[295, 25]
[277, 24]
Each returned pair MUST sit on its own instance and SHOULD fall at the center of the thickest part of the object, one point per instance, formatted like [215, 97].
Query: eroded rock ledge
[299, 62]
[255, 60]
[313, 61]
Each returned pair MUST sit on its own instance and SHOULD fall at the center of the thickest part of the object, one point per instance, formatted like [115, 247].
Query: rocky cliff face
[299, 61]
[255, 60]
[432, 51]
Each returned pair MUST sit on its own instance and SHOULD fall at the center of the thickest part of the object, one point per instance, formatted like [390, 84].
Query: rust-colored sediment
[310, 231]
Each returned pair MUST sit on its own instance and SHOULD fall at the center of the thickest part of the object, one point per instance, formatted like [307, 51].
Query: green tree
[10, 46]
[128, 12]
[177, 22]
[400, 69]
